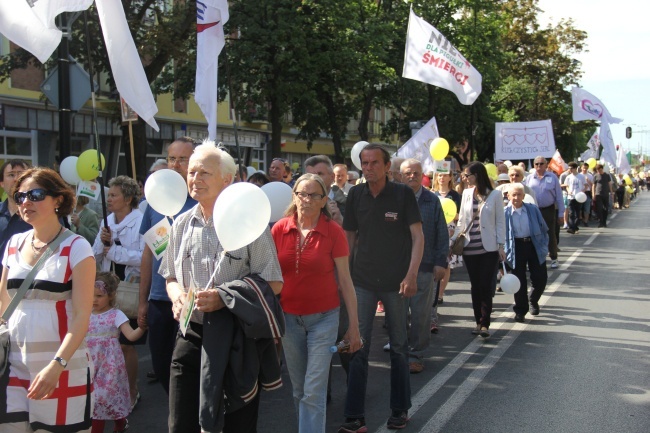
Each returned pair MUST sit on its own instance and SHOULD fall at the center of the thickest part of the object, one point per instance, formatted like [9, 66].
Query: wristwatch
[61, 361]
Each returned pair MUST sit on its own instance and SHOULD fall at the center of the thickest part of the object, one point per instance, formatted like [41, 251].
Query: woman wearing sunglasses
[482, 219]
[48, 327]
[119, 248]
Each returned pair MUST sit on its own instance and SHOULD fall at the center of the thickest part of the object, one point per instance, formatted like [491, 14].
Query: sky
[615, 68]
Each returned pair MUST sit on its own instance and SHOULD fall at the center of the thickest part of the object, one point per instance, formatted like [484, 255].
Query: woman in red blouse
[313, 253]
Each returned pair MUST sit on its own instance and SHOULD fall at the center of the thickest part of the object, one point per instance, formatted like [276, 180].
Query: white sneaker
[387, 347]
[554, 264]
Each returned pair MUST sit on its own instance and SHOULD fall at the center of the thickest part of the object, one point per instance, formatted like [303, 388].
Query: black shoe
[534, 309]
[440, 301]
[151, 375]
[484, 332]
[571, 231]
[519, 318]
[397, 420]
[353, 425]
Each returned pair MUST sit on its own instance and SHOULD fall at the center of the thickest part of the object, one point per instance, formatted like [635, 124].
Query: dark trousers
[162, 335]
[549, 214]
[525, 255]
[184, 390]
[602, 209]
[482, 270]
[574, 214]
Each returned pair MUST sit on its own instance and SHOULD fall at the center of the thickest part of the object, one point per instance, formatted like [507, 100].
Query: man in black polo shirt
[385, 219]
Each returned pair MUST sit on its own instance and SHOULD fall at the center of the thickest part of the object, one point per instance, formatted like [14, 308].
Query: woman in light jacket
[486, 236]
[118, 248]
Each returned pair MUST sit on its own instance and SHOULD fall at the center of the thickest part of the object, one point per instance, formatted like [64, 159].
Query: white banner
[588, 107]
[429, 57]
[211, 15]
[607, 141]
[130, 80]
[418, 146]
[524, 140]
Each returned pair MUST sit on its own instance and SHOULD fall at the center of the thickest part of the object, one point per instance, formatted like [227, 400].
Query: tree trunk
[365, 115]
[275, 117]
[335, 129]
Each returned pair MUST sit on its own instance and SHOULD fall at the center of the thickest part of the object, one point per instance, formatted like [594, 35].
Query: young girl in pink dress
[111, 383]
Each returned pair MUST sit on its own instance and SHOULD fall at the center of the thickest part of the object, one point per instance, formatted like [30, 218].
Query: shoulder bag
[458, 245]
[5, 343]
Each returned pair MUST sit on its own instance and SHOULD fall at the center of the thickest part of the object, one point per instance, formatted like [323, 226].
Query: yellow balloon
[592, 163]
[491, 170]
[295, 166]
[627, 180]
[88, 166]
[448, 208]
[439, 149]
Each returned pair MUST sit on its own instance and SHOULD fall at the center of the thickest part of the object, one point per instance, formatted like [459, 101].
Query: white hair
[208, 148]
[516, 186]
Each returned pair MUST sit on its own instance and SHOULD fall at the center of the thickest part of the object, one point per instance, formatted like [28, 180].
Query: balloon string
[504, 268]
[216, 270]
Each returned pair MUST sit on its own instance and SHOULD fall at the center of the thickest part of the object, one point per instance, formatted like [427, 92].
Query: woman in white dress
[48, 384]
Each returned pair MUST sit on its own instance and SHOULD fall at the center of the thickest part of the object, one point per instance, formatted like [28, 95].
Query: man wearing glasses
[548, 194]
[155, 308]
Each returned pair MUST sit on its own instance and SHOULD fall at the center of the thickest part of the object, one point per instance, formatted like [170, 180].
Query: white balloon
[581, 197]
[241, 214]
[279, 195]
[508, 163]
[529, 199]
[166, 191]
[250, 171]
[355, 153]
[68, 170]
[510, 284]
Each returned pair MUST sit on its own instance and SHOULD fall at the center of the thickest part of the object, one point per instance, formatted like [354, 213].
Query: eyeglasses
[313, 196]
[33, 195]
[278, 159]
[182, 160]
[539, 163]
[466, 175]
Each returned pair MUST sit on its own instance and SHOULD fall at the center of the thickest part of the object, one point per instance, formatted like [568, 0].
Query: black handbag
[5, 343]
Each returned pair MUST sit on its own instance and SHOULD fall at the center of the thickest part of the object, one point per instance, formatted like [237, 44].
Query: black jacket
[239, 352]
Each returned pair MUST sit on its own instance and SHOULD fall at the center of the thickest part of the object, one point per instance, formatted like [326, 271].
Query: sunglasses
[540, 163]
[33, 195]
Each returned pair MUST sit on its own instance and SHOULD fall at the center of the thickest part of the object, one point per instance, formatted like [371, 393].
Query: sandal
[135, 402]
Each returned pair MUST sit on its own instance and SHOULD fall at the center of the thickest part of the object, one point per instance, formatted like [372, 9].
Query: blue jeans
[400, 386]
[420, 305]
[306, 344]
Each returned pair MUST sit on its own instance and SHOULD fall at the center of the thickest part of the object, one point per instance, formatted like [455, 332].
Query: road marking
[570, 260]
[451, 406]
[591, 238]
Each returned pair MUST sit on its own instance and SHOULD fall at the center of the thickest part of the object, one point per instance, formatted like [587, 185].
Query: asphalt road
[580, 366]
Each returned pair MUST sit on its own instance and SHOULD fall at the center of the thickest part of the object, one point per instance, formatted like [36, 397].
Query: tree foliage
[319, 66]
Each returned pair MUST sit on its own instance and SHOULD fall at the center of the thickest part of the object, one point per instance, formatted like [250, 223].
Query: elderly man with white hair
[190, 259]
[526, 245]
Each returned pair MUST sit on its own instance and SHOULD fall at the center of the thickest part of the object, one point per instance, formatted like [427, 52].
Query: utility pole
[65, 113]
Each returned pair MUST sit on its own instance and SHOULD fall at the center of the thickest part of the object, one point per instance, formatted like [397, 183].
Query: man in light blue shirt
[548, 194]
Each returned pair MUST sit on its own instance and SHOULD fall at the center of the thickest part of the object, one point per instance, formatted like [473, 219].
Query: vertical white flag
[211, 15]
[126, 64]
[622, 164]
[607, 141]
[418, 146]
[429, 57]
[592, 147]
[587, 107]
[33, 27]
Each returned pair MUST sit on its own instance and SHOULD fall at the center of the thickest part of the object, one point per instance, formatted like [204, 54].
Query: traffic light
[628, 132]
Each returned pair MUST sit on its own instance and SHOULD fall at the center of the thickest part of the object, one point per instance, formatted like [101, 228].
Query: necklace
[39, 250]
[300, 248]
